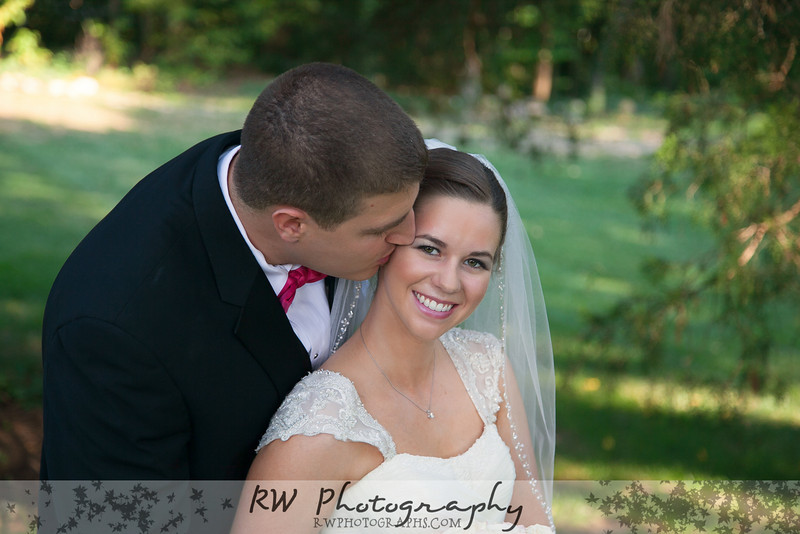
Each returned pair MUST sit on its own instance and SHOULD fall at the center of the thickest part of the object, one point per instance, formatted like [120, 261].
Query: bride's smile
[432, 304]
[436, 282]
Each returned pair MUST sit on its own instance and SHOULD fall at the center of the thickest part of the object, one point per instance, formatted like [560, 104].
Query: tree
[732, 159]
[12, 13]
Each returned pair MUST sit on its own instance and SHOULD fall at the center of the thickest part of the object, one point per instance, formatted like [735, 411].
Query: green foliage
[12, 13]
[211, 35]
[731, 160]
[483, 46]
[583, 48]
[24, 49]
[114, 48]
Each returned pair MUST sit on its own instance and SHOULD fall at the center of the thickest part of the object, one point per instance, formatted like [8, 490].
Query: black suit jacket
[165, 350]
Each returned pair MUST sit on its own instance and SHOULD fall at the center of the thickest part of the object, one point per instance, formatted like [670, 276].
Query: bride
[440, 404]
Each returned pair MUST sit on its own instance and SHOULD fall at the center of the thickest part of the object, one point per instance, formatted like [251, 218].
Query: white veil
[514, 311]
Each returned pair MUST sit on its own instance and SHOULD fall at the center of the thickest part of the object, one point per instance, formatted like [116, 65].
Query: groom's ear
[290, 223]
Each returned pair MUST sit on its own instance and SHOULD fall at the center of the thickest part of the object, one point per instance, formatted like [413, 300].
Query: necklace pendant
[429, 414]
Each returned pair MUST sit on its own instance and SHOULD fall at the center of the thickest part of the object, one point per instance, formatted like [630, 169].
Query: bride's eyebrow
[438, 242]
[442, 245]
[485, 254]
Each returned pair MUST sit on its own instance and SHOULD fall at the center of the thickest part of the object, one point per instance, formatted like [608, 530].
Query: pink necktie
[297, 278]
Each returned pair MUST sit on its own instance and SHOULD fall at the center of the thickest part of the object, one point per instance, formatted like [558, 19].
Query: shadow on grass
[55, 185]
[622, 440]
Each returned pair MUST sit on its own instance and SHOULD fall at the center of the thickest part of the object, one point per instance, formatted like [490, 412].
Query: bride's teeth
[432, 304]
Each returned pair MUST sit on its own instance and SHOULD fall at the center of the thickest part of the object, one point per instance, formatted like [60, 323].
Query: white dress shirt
[309, 313]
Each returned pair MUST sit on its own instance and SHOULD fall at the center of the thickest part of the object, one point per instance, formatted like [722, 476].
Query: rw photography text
[406, 513]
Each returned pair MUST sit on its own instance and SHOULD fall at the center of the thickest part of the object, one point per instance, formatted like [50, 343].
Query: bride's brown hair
[458, 175]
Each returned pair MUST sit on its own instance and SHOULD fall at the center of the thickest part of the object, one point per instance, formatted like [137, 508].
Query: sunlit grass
[616, 419]
[622, 426]
[56, 182]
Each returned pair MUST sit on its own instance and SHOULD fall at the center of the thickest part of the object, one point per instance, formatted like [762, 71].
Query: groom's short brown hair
[321, 138]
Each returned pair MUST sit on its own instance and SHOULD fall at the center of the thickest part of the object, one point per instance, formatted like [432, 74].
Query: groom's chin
[360, 276]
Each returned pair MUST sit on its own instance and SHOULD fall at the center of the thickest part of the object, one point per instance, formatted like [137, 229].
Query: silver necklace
[427, 411]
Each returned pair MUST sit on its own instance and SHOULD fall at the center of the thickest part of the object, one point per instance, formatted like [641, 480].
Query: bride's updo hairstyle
[322, 138]
[459, 175]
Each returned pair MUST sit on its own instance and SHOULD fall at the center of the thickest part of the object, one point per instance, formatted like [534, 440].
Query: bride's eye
[429, 250]
[475, 263]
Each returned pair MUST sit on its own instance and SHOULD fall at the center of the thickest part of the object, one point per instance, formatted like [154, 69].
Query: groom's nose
[403, 233]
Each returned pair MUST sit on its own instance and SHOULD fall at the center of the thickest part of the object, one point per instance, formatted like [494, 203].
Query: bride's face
[436, 282]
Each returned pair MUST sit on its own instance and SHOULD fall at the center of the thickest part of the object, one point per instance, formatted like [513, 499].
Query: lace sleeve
[326, 402]
[479, 360]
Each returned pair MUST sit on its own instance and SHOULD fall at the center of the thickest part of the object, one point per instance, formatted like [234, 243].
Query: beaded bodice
[325, 402]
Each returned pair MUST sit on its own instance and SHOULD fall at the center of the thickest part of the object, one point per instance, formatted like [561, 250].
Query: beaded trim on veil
[513, 310]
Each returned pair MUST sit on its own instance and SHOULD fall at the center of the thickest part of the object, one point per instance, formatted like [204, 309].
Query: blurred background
[653, 147]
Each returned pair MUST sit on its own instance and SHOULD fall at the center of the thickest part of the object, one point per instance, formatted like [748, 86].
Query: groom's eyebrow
[386, 227]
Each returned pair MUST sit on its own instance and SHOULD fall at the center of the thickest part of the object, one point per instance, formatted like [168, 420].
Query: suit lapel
[266, 332]
[262, 326]
[230, 257]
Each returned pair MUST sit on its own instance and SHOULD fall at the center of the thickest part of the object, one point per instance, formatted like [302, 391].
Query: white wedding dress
[430, 493]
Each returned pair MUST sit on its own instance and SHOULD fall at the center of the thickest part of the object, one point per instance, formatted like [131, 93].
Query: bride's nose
[447, 277]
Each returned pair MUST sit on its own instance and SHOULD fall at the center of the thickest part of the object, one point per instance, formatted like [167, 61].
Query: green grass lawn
[685, 423]
[56, 182]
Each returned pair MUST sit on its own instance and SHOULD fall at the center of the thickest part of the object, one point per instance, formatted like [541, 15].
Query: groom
[166, 347]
